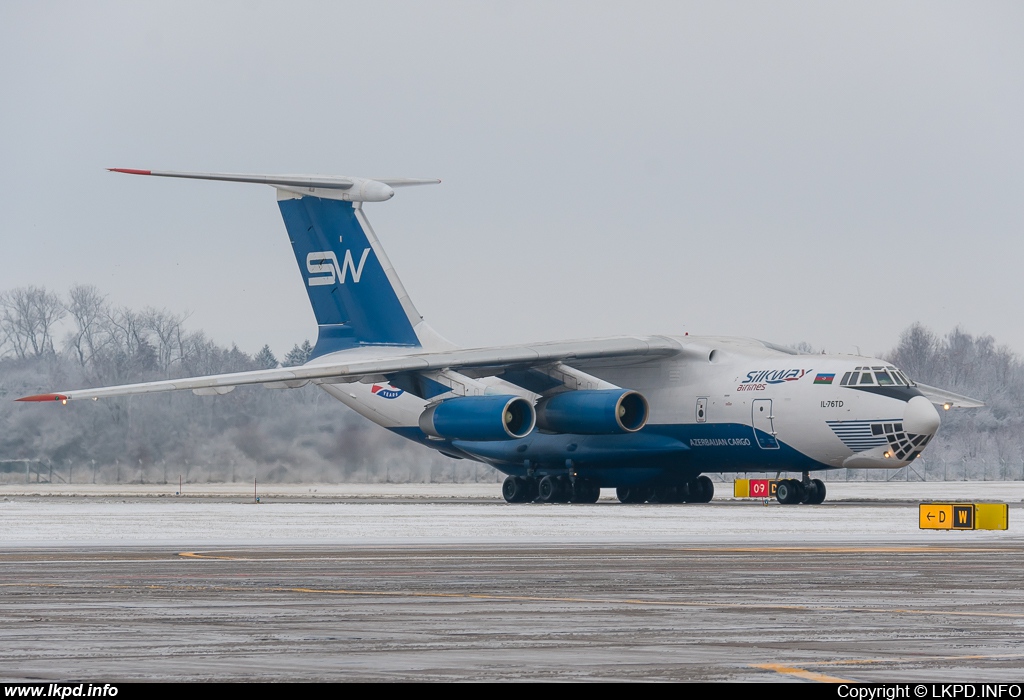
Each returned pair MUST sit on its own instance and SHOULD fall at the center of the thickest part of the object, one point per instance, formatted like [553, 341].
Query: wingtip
[45, 397]
[130, 171]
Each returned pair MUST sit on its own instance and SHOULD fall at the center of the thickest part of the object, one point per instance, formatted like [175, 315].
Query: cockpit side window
[900, 378]
[884, 379]
[875, 376]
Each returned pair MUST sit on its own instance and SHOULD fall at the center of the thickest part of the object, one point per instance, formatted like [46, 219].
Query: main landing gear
[699, 490]
[565, 489]
[550, 489]
[809, 491]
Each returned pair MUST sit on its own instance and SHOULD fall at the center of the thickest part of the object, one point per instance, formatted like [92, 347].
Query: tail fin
[356, 295]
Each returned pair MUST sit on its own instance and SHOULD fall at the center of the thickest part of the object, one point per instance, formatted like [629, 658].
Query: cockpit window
[904, 378]
[884, 379]
[875, 376]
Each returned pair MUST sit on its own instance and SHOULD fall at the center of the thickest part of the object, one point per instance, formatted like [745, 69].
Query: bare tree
[28, 316]
[915, 353]
[89, 309]
[170, 341]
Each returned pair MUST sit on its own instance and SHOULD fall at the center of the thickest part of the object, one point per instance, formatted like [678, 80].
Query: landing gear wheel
[704, 490]
[815, 492]
[549, 490]
[585, 491]
[632, 494]
[516, 489]
[789, 491]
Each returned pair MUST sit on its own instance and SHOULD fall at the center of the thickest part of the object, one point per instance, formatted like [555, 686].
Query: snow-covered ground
[1012, 491]
[224, 514]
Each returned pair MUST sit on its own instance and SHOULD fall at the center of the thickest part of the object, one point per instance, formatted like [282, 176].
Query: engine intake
[479, 418]
[593, 412]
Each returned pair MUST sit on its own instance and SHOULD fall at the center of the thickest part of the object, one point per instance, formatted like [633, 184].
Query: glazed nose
[920, 417]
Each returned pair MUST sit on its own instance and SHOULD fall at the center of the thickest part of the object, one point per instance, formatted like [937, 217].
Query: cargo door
[763, 423]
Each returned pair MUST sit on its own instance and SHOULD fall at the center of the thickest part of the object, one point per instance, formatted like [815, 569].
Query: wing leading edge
[483, 361]
[947, 399]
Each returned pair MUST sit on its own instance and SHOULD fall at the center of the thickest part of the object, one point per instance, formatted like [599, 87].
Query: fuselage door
[763, 423]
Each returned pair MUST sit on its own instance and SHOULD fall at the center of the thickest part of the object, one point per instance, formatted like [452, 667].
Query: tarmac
[449, 583]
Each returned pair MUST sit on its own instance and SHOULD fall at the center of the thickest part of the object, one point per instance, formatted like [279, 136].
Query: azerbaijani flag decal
[824, 378]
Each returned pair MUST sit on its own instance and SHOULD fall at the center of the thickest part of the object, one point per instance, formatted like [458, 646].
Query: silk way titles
[759, 379]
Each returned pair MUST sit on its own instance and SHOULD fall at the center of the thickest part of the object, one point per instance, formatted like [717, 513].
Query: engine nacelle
[480, 418]
[593, 412]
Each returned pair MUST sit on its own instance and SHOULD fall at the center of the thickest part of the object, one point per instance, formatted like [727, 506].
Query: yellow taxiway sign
[963, 516]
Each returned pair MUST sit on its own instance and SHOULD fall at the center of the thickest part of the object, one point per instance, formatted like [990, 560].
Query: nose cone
[920, 417]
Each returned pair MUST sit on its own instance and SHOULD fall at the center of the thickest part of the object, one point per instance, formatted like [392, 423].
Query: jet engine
[479, 418]
[593, 412]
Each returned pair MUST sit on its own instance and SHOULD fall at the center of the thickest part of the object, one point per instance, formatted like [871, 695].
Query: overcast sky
[820, 172]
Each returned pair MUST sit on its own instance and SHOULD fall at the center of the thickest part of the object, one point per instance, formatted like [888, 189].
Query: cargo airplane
[650, 416]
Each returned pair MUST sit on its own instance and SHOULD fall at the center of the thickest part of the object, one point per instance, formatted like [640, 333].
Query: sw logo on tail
[325, 264]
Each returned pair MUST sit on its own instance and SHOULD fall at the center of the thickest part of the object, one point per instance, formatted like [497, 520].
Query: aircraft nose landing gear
[809, 491]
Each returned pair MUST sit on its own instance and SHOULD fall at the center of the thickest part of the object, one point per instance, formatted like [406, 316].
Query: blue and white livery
[646, 415]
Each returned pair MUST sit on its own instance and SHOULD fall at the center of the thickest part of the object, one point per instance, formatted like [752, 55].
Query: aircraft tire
[819, 492]
[810, 493]
[632, 494]
[705, 489]
[585, 491]
[549, 490]
[516, 489]
[510, 490]
[789, 491]
[784, 492]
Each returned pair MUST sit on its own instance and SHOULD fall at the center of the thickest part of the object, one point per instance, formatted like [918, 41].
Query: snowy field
[35, 515]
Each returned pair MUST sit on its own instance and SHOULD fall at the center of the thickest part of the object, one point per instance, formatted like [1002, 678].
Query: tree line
[51, 341]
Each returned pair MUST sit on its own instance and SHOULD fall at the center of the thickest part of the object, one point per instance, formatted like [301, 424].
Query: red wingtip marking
[44, 397]
[130, 171]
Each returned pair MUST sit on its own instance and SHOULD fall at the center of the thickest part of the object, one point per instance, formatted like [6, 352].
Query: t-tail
[357, 297]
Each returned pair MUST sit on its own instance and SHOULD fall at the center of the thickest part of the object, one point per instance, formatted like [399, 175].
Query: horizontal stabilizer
[356, 189]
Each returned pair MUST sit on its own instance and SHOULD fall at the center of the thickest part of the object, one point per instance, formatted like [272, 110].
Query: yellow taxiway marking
[801, 673]
[199, 555]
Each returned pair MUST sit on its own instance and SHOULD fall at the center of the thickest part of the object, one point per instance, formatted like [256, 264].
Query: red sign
[763, 488]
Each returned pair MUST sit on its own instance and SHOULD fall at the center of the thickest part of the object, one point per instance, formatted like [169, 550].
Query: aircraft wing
[481, 361]
[947, 399]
